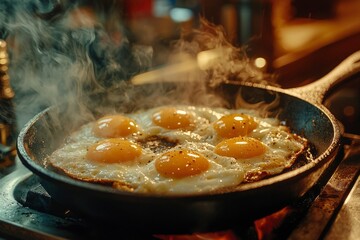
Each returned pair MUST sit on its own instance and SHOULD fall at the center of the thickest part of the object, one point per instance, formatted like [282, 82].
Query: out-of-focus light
[181, 14]
[207, 58]
[349, 111]
[161, 8]
[260, 62]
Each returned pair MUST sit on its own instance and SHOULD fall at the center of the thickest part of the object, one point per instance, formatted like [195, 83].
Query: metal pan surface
[303, 112]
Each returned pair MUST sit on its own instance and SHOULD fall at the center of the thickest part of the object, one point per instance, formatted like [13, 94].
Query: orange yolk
[114, 126]
[240, 148]
[181, 163]
[113, 150]
[171, 118]
[234, 125]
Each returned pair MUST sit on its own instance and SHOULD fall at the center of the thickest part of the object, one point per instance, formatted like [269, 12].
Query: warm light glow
[349, 111]
[206, 58]
[260, 62]
[167, 73]
[267, 225]
[222, 235]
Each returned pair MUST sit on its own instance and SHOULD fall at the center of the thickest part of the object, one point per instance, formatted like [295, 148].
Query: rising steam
[227, 63]
[65, 56]
[62, 51]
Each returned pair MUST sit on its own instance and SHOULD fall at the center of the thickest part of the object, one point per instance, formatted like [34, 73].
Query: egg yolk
[240, 148]
[181, 163]
[114, 126]
[113, 150]
[171, 118]
[234, 125]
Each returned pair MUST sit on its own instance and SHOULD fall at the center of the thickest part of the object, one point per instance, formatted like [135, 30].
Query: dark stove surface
[27, 211]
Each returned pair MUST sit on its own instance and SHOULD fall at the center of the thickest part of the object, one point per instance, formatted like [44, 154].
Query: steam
[66, 56]
[61, 51]
[205, 55]
[228, 64]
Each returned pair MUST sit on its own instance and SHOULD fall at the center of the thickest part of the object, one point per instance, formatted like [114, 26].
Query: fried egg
[114, 126]
[188, 169]
[176, 123]
[178, 150]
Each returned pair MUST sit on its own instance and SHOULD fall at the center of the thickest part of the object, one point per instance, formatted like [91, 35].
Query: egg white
[282, 147]
[142, 176]
[201, 119]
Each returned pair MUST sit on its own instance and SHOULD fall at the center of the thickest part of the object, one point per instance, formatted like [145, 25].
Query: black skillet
[302, 110]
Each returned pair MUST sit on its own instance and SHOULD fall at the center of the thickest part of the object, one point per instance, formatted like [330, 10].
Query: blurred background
[300, 40]
[296, 41]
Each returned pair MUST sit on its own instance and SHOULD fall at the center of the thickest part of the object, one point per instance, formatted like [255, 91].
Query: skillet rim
[241, 189]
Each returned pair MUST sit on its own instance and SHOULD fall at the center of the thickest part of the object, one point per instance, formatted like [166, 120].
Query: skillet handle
[315, 91]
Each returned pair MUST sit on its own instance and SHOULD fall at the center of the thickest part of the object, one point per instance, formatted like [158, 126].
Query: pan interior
[304, 118]
[47, 131]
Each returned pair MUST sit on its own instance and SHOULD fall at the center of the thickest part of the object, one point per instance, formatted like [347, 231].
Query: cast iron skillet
[302, 110]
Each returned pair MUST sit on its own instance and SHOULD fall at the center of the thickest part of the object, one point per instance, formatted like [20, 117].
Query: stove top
[29, 212]
[329, 210]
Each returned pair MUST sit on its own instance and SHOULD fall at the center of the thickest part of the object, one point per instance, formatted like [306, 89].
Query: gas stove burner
[30, 193]
[18, 220]
[28, 210]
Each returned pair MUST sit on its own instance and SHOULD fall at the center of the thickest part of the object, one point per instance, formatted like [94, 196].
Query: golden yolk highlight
[172, 118]
[113, 150]
[114, 126]
[240, 148]
[234, 125]
[181, 163]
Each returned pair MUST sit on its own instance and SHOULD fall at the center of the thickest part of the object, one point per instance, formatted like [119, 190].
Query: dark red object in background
[138, 9]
